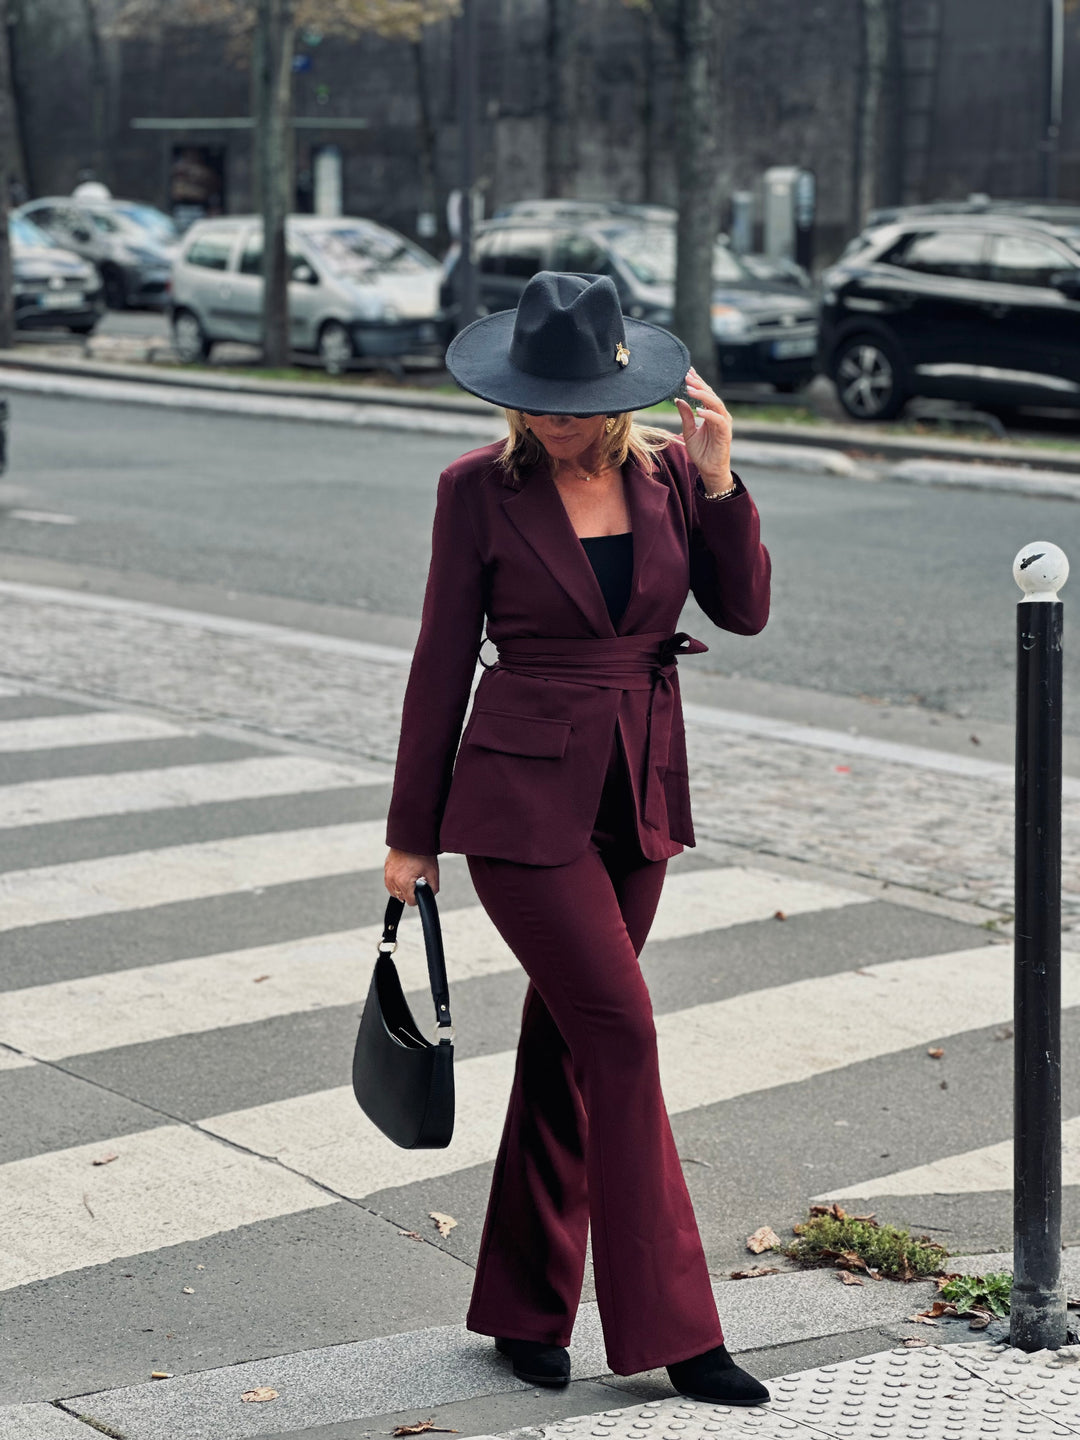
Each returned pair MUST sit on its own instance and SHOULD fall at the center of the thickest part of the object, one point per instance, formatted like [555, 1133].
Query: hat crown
[568, 327]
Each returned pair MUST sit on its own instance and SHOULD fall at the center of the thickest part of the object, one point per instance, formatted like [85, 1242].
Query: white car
[356, 289]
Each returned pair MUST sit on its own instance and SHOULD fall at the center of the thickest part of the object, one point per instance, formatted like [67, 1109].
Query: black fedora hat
[568, 350]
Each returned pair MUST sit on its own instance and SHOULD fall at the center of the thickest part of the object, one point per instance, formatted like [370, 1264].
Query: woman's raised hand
[402, 871]
[708, 444]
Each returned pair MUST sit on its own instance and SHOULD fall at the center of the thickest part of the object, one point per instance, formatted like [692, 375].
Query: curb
[866, 443]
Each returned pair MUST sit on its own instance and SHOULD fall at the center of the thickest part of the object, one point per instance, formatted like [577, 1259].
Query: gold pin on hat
[622, 354]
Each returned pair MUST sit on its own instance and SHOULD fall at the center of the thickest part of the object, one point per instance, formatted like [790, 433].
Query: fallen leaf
[779, 915]
[105, 1160]
[410, 1234]
[834, 1210]
[849, 1279]
[860, 971]
[865, 1218]
[445, 1223]
[423, 1427]
[259, 978]
[921, 1320]
[86, 1202]
[261, 1392]
[852, 1258]
[981, 1321]
[763, 1238]
[935, 1054]
[1004, 1034]
[187, 1290]
[913, 1340]
[160, 1374]
[754, 1272]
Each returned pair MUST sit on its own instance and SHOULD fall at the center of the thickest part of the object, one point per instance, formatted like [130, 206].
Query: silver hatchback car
[356, 290]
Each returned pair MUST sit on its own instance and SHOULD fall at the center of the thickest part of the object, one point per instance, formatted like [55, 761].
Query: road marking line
[988, 1168]
[186, 872]
[708, 1054]
[213, 992]
[48, 802]
[99, 727]
[167, 1185]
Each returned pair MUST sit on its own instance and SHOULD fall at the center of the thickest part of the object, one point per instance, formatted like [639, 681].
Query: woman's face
[565, 437]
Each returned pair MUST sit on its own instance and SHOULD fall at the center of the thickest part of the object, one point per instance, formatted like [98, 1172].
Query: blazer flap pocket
[520, 734]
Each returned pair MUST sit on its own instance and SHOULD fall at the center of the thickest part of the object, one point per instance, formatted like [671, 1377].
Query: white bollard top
[1041, 569]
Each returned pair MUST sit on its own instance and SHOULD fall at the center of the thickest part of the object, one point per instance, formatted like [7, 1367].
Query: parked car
[764, 330]
[134, 263]
[51, 287]
[778, 268]
[972, 306]
[356, 289]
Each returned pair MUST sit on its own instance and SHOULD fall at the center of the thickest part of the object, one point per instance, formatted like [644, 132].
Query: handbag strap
[436, 961]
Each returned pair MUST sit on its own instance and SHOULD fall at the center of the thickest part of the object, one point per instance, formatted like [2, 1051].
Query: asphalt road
[880, 590]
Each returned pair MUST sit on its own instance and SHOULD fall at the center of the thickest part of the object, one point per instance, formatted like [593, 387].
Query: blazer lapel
[540, 516]
[647, 499]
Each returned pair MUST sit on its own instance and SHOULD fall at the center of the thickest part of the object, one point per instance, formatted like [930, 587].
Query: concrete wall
[789, 93]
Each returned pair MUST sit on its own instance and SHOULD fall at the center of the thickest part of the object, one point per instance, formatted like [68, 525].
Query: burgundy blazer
[531, 764]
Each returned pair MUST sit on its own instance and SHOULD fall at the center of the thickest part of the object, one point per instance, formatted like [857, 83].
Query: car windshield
[649, 250]
[154, 221]
[25, 232]
[363, 250]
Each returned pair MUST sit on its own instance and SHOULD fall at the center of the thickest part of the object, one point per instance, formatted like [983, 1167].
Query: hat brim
[479, 360]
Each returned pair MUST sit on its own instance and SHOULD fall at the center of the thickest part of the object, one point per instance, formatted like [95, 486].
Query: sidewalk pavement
[863, 452]
[843, 1363]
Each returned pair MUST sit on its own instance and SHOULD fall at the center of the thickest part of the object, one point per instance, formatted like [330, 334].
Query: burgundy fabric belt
[621, 662]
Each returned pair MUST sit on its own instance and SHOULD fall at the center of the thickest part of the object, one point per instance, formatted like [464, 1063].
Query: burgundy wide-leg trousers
[587, 1138]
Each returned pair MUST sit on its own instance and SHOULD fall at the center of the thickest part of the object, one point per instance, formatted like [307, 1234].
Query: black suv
[765, 329]
[976, 305]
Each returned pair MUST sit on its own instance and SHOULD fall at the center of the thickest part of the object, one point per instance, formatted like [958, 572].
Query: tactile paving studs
[974, 1391]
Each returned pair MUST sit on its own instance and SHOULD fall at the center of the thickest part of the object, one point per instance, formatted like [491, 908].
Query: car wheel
[115, 289]
[335, 347]
[189, 338]
[869, 384]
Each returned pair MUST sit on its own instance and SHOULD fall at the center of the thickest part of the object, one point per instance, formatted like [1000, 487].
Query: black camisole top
[612, 560]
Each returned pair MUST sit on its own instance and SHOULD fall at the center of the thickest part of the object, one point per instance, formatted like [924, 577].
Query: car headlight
[729, 323]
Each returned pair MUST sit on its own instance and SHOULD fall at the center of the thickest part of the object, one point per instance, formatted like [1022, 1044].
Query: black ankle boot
[537, 1363]
[714, 1377]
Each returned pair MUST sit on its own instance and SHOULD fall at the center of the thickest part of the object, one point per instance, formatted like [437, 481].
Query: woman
[578, 540]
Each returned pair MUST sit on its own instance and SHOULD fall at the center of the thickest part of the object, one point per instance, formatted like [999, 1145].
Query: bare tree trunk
[875, 54]
[273, 134]
[694, 25]
[431, 200]
[98, 94]
[9, 166]
[650, 45]
[21, 155]
[560, 159]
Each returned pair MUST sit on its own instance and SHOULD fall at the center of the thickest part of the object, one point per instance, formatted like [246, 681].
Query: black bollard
[1038, 1304]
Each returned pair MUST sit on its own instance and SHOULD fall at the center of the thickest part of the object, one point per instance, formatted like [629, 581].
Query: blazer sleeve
[730, 569]
[440, 679]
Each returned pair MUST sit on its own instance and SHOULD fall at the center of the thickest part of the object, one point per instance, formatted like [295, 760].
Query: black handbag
[403, 1081]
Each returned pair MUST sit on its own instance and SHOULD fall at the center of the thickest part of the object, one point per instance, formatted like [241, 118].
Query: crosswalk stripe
[186, 872]
[98, 727]
[10, 1060]
[49, 802]
[134, 1006]
[708, 1053]
[166, 1185]
[988, 1168]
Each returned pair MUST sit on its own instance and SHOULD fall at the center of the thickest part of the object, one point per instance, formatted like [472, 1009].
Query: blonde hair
[625, 438]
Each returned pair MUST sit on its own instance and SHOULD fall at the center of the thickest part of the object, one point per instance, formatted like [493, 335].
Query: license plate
[794, 348]
[61, 299]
